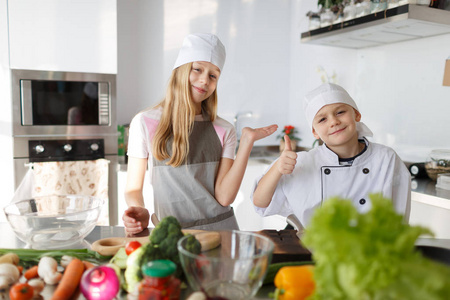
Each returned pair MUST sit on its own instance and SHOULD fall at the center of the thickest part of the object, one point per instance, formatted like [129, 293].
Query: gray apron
[187, 192]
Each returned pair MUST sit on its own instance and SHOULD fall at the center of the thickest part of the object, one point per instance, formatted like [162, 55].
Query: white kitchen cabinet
[247, 218]
[63, 35]
[431, 212]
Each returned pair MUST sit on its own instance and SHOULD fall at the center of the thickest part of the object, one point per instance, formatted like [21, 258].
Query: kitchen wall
[398, 88]
[268, 70]
[260, 38]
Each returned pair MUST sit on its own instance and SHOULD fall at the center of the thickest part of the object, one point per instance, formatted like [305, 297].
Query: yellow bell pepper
[294, 282]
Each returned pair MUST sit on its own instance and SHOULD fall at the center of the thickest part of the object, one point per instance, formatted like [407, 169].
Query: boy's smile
[335, 125]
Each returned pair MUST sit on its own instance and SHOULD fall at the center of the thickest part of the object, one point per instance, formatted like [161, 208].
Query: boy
[346, 165]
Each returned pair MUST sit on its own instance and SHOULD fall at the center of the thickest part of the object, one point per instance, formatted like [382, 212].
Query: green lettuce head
[370, 255]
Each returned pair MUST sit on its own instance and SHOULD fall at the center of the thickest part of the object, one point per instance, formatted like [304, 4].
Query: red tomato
[131, 246]
[21, 291]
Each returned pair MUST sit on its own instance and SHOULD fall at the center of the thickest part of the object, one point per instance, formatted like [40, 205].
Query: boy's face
[335, 124]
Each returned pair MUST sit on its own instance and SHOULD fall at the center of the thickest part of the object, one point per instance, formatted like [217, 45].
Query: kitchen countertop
[9, 240]
[428, 187]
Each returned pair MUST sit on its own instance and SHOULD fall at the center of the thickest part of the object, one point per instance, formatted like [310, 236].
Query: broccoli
[168, 226]
[163, 245]
[193, 245]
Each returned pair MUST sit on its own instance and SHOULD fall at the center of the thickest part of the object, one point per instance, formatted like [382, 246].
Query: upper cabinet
[402, 23]
[55, 35]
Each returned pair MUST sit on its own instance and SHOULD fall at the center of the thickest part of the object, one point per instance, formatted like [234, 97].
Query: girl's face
[335, 124]
[203, 80]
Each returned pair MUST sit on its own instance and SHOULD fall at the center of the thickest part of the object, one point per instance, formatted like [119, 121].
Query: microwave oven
[50, 102]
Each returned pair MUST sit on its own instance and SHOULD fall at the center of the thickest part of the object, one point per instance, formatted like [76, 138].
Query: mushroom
[47, 270]
[65, 260]
[38, 286]
[9, 274]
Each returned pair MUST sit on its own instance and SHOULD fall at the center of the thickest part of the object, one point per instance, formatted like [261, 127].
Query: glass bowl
[53, 222]
[234, 270]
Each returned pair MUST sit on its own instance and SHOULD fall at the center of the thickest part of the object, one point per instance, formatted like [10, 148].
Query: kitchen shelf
[398, 24]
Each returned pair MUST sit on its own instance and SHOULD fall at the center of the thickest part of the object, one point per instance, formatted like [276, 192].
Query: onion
[100, 283]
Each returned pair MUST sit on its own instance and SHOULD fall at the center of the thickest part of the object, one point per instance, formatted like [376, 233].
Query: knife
[295, 222]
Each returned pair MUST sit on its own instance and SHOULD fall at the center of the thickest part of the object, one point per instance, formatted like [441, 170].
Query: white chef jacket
[318, 176]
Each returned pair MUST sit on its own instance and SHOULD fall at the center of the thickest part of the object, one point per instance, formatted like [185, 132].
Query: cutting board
[287, 246]
[109, 246]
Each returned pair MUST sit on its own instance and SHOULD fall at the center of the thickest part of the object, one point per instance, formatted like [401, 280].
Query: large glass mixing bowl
[54, 222]
[234, 270]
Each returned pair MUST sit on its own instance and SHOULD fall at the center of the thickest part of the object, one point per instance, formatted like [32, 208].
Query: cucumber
[273, 269]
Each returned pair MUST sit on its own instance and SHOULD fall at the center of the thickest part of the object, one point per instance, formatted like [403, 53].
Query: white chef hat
[201, 47]
[329, 93]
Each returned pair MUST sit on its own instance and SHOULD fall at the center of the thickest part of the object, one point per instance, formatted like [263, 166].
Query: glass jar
[326, 18]
[159, 282]
[314, 22]
[438, 162]
[378, 5]
[350, 11]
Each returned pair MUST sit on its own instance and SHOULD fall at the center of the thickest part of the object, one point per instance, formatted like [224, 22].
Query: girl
[188, 148]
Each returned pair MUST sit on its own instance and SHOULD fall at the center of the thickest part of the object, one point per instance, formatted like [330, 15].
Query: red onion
[100, 283]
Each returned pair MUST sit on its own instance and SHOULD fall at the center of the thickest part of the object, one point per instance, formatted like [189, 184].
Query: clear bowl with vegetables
[234, 270]
[55, 221]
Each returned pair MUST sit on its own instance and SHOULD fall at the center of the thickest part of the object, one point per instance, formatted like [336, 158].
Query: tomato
[131, 246]
[21, 291]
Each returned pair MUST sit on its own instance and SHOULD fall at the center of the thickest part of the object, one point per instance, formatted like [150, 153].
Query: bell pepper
[294, 282]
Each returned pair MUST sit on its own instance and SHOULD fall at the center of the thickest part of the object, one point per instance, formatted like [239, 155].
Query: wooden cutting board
[287, 246]
[109, 246]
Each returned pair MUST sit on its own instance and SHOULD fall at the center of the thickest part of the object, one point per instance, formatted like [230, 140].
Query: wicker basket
[433, 170]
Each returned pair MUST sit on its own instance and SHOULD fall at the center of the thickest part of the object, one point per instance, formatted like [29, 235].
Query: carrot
[88, 265]
[70, 280]
[20, 268]
[31, 273]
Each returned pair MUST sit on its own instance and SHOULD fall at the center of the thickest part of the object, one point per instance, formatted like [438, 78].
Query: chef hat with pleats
[329, 93]
[201, 47]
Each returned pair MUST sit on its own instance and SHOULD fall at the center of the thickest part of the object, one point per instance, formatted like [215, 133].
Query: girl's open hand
[254, 134]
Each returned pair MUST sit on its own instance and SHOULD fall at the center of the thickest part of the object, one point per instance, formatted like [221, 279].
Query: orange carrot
[20, 268]
[31, 273]
[88, 265]
[70, 280]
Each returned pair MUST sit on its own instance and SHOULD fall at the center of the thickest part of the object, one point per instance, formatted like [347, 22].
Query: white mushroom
[37, 284]
[65, 260]
[197, 296]
[47, 270]
[9, 274]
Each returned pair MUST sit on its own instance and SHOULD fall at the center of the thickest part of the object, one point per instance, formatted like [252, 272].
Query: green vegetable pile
[163, 245]
[372, 255]
[31, 257]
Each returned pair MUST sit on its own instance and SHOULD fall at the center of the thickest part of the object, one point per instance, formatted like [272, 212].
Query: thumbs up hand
[288, 159]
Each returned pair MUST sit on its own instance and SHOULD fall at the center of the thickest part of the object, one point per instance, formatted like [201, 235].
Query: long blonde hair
[177, 119]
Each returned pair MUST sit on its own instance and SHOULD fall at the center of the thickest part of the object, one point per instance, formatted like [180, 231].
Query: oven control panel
[65, 150]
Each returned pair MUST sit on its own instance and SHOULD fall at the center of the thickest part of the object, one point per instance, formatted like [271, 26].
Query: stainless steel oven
[56, 112]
